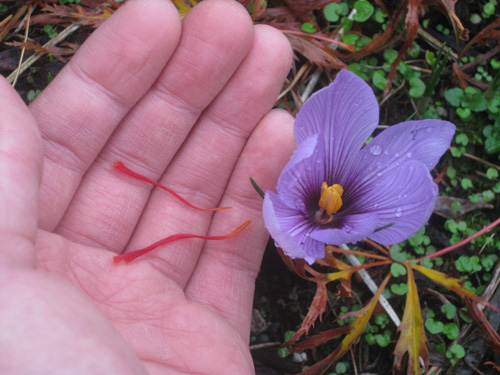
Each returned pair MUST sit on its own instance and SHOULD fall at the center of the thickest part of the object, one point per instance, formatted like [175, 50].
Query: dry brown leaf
[443, 207]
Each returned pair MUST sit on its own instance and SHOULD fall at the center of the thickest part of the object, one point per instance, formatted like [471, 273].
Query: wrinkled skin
[184, 103]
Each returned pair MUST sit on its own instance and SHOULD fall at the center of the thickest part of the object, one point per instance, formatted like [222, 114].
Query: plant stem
[461, 243]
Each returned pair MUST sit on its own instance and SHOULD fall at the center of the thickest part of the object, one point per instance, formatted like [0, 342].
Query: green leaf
[390, 55]
[257, 188]
[364, 10]
[464, 113]
[398, 269]
[333, 11]
[466, 183]
[462, 139]
[492, 173]
[451, 331]
[397, 254]
[379, 15]
[350, 38]
[455, 206]
[379, 79]
[489, 9]
[340, 368]
[449, 310]
[308, 27]
[283, 352]
[454, 96]
[488, 195]
[458, 350]
[433, 326]
[417, 87]
[399, 289]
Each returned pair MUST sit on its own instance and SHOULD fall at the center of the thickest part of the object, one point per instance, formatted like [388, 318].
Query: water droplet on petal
[376, 205]
[409, 154]
[399, 212]
[386, 152]
[298, 204]
[396, 155]
[375, 150]
[347, 228]
[379, 174]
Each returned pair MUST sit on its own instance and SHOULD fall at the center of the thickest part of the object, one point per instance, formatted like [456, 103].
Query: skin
[188, 104]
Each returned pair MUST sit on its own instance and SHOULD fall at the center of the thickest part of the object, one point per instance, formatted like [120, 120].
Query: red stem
[461, 243]
[121, 167]
[129, 257]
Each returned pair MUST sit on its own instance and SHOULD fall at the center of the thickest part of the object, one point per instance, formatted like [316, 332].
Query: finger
[201, 169]
[216, 37]
[86, 101]
[20, 171]
[225, 274]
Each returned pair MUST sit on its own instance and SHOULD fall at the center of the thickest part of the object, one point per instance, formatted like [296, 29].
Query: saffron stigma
[129, 257]
[122, 168]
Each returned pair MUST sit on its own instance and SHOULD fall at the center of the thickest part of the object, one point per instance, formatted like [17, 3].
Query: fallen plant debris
[394, 47]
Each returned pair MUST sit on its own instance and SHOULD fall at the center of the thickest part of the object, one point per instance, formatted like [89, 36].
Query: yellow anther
[330, 200]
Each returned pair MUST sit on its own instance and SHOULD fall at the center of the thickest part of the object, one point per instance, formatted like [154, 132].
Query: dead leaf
[412, 339]
[317, 308]
[316, 52]
[353, 331]
[443, 207]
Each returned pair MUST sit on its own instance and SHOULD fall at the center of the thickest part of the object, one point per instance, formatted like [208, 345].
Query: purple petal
[299, 184]
[404, 196]
[289, 229]
[354, 228]
[425, 140]
[345, 114]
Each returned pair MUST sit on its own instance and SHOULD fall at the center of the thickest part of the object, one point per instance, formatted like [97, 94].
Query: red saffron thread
[121, 167]
[129, 257]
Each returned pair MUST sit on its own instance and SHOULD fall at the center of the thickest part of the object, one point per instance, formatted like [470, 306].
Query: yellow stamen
[330, 200]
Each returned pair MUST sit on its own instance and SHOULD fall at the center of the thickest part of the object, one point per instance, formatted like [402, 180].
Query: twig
[435, 42]
[58, 38]
[481, 160]
[373, 287]
[265, 345]
[295, 80]
[24, 47]
[310, 86]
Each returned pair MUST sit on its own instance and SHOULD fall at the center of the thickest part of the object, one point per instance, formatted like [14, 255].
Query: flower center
[329, 202]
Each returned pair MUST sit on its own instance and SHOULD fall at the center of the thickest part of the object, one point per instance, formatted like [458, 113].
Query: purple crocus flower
[334, 191]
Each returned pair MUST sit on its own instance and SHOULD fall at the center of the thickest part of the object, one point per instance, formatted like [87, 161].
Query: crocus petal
[425, 140]
[287, 227]
[300, 185]
[345, 114]
[403, 197]
[354, 228]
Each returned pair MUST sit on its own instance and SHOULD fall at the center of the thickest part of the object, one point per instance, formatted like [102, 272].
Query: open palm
[183, 103]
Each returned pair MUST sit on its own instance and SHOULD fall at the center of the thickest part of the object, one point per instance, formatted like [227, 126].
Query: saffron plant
[335, 190]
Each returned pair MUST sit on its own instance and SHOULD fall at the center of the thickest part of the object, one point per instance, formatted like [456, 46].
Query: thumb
[20, 174]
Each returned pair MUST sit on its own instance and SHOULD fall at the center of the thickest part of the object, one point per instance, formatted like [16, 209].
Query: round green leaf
[398, 269]
[451, 331]
[308, 27]
[458, 350]
[433, 326]
[449, 310]
[379, 79]
[364, 10]
[417, 87]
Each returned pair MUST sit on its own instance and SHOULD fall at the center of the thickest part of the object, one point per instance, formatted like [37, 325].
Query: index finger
[81, 108]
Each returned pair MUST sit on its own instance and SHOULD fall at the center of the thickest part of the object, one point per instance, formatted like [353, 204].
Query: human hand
[184, 104]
